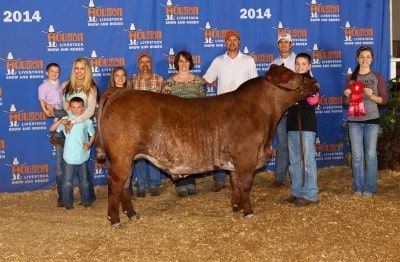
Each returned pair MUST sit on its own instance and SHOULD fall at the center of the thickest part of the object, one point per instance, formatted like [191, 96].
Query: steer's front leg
[244, 175]
[245, 181]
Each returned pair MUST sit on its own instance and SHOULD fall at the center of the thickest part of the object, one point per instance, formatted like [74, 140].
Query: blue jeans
[219, 176]
[282, 151]
[59, 171]
[186, 183]
[148, 176]
[363, 139]
[309, 190]
[85, 184]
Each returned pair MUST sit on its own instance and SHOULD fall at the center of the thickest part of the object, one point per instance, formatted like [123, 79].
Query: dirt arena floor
[341, 227]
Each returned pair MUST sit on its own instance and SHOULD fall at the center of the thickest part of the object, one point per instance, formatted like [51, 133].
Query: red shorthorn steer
[232, 131]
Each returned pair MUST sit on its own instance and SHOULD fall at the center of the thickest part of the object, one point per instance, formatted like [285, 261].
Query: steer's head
[285, 78]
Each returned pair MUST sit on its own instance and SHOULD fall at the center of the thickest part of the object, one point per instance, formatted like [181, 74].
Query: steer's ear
[273, 68]
[272, 72]
[278, 74]
[285, 76]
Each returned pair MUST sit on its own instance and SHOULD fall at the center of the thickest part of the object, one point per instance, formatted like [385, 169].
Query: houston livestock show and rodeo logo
[25, 173]
[140, 38]
[18, 68]
[59, 41]
[104, 16]
[326, 13]
[176, 14]
[357, 36]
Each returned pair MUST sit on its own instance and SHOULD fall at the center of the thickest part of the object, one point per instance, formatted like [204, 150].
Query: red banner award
[356, 107]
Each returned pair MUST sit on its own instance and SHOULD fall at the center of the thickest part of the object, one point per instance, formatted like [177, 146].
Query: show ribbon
[356, 107]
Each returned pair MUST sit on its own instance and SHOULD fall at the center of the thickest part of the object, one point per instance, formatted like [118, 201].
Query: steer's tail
[100, 151]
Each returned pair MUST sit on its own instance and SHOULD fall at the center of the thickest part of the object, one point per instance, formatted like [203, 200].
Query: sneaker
[56, 141]
[154, 191]
[69, 207]
[217, 187]
[59, 204]
[302, 202]
[192, 191]
[277, 184]
[358, 194]
[290, 200]
[182, 193]
[87, 205]
[141, 193]
[367, 194]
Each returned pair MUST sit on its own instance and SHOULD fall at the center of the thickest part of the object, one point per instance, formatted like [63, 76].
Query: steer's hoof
[235, 208]
[116, 226]
[134, 217]
[249, 216]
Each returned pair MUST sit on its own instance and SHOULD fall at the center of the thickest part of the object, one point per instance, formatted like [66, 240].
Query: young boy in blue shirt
[76, 154]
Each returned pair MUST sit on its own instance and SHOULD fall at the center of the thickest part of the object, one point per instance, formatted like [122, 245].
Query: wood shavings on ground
[342, 227]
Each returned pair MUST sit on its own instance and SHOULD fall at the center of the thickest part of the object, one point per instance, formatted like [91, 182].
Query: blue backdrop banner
[112, 33]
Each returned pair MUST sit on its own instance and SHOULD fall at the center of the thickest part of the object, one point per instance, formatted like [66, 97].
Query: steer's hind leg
[114, 198]
[126, 202]
[117, 178]
[235, 201]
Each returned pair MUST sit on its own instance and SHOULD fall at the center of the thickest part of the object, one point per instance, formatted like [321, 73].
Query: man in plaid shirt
[148, 176]
[145, 79]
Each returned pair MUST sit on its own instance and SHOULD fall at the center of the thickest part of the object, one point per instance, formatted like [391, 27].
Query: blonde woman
[81, 84]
